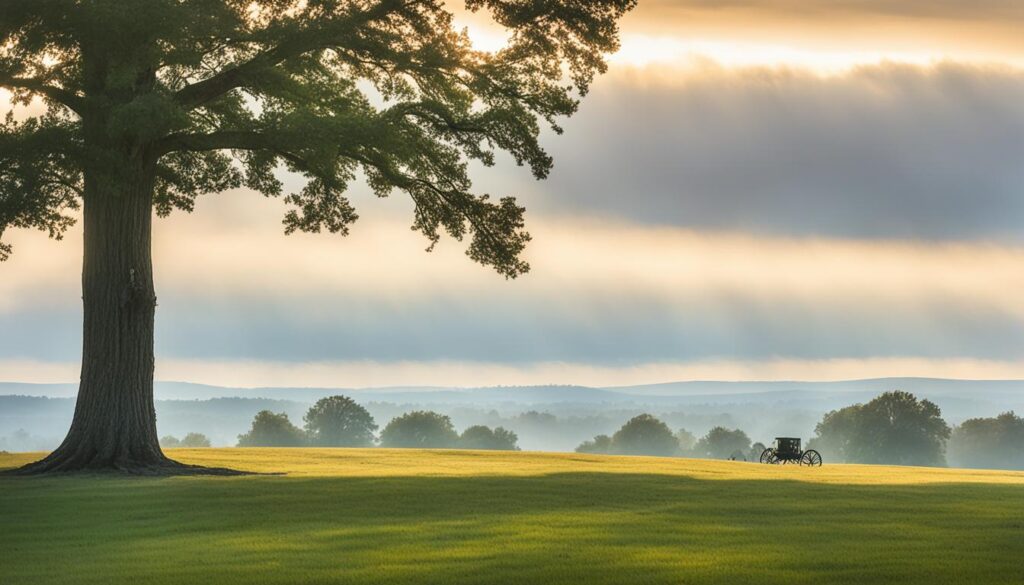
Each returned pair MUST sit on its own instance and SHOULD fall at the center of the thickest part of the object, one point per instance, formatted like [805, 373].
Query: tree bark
[114, 426]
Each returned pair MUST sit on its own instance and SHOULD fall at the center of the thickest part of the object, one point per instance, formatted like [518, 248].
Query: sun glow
[675, 53]
[643, 51]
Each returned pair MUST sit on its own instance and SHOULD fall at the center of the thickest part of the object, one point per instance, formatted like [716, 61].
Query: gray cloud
[888, 151]
[610, 331]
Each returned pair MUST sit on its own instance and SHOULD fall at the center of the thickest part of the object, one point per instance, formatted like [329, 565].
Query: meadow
[411, 516]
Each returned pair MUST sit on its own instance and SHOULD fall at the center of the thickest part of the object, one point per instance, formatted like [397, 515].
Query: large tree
[151, 103]
[338, 421]
[996, 443]
[420, 429]
[722, 443]
[644, 435]
[895, 428]
[271, 429]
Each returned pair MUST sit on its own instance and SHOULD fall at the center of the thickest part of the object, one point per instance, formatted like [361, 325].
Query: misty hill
[693, 390]
[553, 418]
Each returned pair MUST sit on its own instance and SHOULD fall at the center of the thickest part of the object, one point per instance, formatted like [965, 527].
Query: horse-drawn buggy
[787, 450]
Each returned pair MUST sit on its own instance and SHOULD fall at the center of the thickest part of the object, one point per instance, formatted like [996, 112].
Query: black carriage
[787, 450]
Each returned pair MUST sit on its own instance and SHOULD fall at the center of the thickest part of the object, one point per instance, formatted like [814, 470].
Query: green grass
[385, 516]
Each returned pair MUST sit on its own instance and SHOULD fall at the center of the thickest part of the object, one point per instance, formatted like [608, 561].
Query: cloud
[989, 28]
[601, 292]
[952, 28]
[886, 151]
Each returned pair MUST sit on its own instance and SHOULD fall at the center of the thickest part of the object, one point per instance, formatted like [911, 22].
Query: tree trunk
[114, 427]
[115, 422]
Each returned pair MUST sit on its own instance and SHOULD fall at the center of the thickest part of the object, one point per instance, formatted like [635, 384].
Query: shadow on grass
[567, 527]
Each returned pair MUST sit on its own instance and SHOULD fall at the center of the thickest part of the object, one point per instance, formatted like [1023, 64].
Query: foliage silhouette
[272, 430]
[644, 435]
[169, 441]
[420, 429]
[337, 421]
[599, 444]
[894, 428]
[723, 443]
[482, 437]
[996, 443]
[195, 440]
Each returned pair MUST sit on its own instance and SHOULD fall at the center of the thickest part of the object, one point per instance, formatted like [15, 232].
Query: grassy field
[391, 516]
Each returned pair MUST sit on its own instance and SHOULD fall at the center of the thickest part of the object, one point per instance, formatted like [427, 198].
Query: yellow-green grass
[409, 516]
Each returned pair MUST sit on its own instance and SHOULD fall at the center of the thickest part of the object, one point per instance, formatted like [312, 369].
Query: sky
[757, 190]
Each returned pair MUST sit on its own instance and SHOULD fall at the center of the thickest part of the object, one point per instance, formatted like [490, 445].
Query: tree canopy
[209, 95]
[687, 441]
[996, 443]
[894, 428]
[722, 443]
[599, 444]
[420, 429]
[195, 440]
[169, 441]
[483, 437]
[644, 435]
[271, 429]
[337, 421]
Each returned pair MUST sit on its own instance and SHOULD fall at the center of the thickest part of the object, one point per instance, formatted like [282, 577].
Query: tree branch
[71, 100]
[223, 140]
[201, 92]
[227, 140]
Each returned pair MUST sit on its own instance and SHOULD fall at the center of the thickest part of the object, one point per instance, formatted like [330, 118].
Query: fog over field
[546, 418]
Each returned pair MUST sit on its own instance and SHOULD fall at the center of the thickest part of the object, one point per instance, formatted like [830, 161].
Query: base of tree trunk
[58, 463]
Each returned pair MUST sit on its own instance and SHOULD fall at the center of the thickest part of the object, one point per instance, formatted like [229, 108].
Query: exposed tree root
[58, 464]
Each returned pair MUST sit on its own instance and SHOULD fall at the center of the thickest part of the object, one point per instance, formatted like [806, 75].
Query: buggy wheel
[766, 455]
[811, 458]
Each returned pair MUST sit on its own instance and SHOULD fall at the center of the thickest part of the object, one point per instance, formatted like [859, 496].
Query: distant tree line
[899, 429]
[996, 443]
[190, 441]
[646, 435]
[895, 428]
[338, 421]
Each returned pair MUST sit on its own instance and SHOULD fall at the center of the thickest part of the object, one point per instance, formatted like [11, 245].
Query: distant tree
[644, 435]
[22, 440]
[505, 439]
[169, 441]
[21, 436]
[755, 451]
[420, 429]
[272, 430]
[141, 106]
[993, 443]
[337, 421]
[537, 419]
[687, 441]
[835, 433]
[481, 437]
[895, 428]
[600, 444]
[195, 440]
[722, 443]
